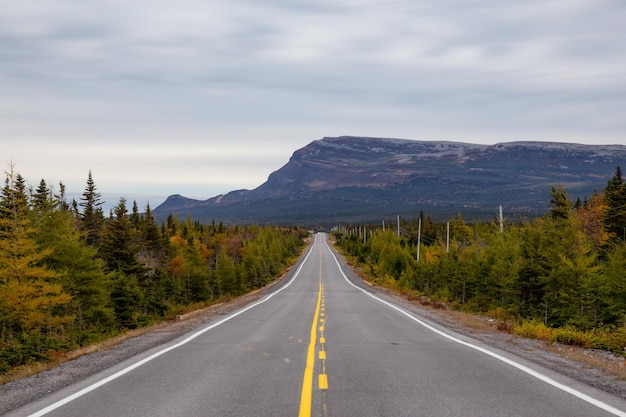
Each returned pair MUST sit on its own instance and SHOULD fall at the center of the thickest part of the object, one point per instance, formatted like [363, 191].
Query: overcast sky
[204, 97]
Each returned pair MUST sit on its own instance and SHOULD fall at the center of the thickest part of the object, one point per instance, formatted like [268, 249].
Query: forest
[71, 275]
[562, 274]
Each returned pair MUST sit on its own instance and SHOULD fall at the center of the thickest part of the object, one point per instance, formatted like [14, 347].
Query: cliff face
[348, 179]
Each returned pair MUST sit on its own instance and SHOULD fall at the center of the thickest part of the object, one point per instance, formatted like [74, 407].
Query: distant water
[112, 200]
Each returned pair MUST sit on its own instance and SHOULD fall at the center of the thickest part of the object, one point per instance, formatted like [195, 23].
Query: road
[323, 344]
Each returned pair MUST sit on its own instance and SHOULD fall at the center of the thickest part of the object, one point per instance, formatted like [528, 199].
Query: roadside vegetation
[71, 276]
[560, 277]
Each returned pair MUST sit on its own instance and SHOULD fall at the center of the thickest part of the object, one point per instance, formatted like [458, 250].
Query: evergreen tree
[152, 253]
[41, 199]
[127, 300]
[29, 292]
[560, 204]
[226, 275]
[615, 212]
[119, 246]
[84, 275]
[460, 232]
[92, 216]
[610, 289]
[134, 216]
[119, 250]
[150, 232]
[61, 197]
[503, 254]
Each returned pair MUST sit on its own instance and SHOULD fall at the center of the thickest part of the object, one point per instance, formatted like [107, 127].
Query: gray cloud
[278, 74]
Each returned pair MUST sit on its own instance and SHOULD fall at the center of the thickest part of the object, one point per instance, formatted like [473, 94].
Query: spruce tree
[119, 250]
[134, 216]
[615, 211]
[151, 234]
[29, 292]
[226, 275]
[40, 200]
[560, 204]
[119, 244]
[61, 197]
[92, 217]
[84, 275]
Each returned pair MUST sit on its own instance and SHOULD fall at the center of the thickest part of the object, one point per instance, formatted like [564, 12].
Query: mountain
[354, 179]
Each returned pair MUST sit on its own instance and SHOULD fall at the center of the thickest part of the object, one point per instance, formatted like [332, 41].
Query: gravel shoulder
[17, 393]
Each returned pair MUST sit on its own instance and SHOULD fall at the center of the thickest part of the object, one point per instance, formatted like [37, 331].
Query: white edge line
[136, 365]
[523, 368]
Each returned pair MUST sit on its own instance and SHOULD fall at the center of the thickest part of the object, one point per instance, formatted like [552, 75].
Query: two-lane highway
[323, 345]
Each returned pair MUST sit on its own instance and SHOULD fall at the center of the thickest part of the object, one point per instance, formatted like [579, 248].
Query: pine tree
[127, 300]
[615, 212]
[29, 292]
[150, 232]
[119, 250]
[152, 249]
[84, 277]
[226, 275]
[61, 198]
[41, 199]
[560, 204]
[134, 216]
[119, 244]
[92, 216]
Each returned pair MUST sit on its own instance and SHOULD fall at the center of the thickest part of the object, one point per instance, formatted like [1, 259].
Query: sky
[202, 97]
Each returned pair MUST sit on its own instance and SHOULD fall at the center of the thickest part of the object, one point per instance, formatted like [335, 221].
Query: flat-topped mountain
[354, 179]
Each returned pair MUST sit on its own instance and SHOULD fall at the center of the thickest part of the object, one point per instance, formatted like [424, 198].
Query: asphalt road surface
[324, 344]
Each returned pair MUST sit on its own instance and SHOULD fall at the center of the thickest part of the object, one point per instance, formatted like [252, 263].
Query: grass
[61, 357]
[589, 348]
[609, 339]
[174, 314]
[591, 359]
[23, 371]
[586, 348]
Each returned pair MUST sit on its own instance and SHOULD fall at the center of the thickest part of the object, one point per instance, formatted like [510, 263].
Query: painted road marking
[323, 381]
[307, 382]
[323, 378]
[536, 374]
[155, 355]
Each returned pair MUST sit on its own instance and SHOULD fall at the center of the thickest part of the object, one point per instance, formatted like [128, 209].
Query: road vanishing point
[322, 343]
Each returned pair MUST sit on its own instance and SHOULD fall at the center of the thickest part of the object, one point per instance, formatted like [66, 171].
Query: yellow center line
[307, 382]
[323, 381]
[323, 377]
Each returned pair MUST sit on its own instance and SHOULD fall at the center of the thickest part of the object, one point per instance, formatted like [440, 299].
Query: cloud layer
[210, 94]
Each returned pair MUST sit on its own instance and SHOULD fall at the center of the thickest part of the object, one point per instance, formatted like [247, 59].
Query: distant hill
[355, 179]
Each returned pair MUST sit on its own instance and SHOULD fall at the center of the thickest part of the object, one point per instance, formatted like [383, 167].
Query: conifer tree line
[565, 269]
[71, 275]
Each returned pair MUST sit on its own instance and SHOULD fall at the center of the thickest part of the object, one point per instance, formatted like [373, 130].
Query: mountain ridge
[355, 179]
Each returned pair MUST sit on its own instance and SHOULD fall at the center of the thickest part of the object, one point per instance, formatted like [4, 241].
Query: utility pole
[398, 225]
[383, 225]
[419, 238]
[447, 236]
